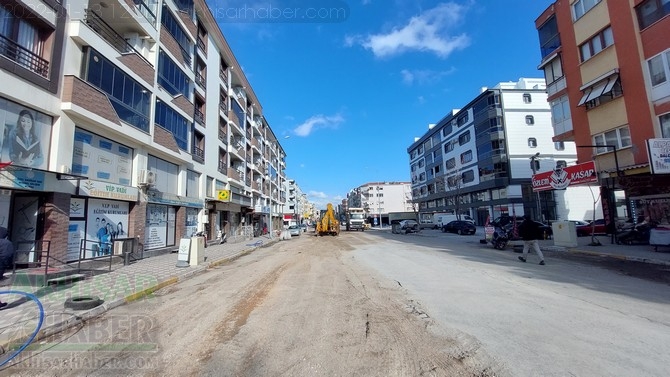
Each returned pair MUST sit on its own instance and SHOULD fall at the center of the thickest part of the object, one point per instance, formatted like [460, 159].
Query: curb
[620, 257]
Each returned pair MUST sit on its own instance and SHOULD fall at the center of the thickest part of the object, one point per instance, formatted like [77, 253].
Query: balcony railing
[199, 116]
[223, 136]
[223, 168]
[198, 153]
[23, 57]
[201, 44]
[223, 103]
[95, 22]
[200, 80]
[223, 75]
[146, 12]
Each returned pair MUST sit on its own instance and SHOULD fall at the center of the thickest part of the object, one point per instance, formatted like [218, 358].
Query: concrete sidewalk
[123, 284]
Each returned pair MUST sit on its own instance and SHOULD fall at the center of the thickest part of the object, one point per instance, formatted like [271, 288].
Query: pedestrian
[528, 230]
[6, 256]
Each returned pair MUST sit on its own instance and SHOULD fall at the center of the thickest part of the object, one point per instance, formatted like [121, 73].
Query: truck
[356, 219]
[328, 225]
[437, 220]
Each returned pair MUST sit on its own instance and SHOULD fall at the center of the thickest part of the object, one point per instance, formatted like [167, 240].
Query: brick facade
[165, 138]
[56, 223]
[140, 66]
[137, 220]
[89, 98]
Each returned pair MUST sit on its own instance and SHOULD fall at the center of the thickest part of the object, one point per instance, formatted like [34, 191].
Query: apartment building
[128, 120]
[479, 160]
[607, 68]
[379, 199]
[296, 209]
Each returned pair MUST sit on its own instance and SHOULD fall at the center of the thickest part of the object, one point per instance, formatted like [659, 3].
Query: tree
[454, 182]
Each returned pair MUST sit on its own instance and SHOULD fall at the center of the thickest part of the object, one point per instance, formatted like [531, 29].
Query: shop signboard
[659, 155]
[561, 178]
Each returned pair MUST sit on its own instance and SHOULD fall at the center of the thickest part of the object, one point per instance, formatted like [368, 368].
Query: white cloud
[318, 122]
[317, 194]
[423, 77]
[426, 32]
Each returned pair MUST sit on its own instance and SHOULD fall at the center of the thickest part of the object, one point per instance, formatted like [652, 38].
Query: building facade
[139, 126]
[479, 160]
[379, 199]
[607, 68]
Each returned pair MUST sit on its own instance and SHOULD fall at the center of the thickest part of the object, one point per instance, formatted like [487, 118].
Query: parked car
[544, 230]
[409, 226]
[460, 227]
[294, 230]
[594, 227]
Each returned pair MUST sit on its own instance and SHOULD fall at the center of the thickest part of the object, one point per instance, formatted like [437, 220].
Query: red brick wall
[137, 220]
[88, 97]
[165, 138]
[171, 45]
[184, 105]
[139, 66]
[190, 25]
[180, 224]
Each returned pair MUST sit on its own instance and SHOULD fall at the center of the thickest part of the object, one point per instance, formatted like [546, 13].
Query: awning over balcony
[601, 86]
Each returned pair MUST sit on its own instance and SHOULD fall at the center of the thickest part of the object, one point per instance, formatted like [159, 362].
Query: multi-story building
[479, 160]
[607, 69]
[379, 199]
[128, 120]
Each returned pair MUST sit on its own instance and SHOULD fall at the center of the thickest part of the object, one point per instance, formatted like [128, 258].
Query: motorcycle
[221, 237]
[501, 237]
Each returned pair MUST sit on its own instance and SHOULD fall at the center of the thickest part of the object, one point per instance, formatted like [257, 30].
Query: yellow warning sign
[223, 195]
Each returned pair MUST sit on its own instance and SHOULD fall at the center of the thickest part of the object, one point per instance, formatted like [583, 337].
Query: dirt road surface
[302, 307]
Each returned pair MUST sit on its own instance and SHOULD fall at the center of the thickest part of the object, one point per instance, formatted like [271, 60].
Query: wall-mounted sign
[659, 155]
[107, 190]
[561, 178]
[223, 195]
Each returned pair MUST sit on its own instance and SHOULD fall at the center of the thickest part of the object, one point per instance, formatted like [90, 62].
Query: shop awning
[598, 88]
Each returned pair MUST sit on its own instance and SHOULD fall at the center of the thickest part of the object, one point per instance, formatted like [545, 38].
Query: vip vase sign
[183, 254]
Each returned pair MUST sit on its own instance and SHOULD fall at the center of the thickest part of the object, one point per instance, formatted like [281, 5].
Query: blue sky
[346, 97]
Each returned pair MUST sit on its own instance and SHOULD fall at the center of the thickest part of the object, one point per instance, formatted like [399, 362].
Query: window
[172, 78]
[659, 68]
[650, 11]
[463, 119]
[549, 38]
[446, 130]
[421, 164]
[665, 125]
[596, 44]
[129, 99]
[527, 98]
[468, 176]
[580, 7]
[21, 41]
[534, 165]
[449, 146]
[530, 120]
[450, 164]
[172, 26]
[192, 184]
[559, 146]
[553, 71]
[437, 169]
[560, 110]
[619, 138]
[601, 92]
[170, 119]
[464, 138]
[167, 172]
[561, 164]
[532, 142]
[493, 100]
[466, 157]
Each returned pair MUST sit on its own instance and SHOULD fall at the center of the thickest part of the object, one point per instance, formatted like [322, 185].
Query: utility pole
[533, 167]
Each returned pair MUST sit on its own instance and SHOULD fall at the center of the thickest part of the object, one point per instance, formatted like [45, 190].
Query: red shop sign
[560, 178]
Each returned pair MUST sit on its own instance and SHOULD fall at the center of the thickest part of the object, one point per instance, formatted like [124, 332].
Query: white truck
[356, 219]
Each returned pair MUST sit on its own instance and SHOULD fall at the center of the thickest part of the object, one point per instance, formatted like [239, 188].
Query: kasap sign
[561, 178]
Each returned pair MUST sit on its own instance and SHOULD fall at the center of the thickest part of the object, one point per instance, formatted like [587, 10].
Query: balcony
[201, 44]
[223, 103]
[200, 80]
[198, 154]
[223, 76]
[23, 57]
[223, 136]
[199, 117]
[223, 167]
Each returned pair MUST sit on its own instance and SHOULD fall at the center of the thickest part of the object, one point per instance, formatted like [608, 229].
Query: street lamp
[533, 166]
[611, 204]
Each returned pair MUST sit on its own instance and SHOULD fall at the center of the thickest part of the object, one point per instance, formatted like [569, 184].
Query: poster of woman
[25, 135]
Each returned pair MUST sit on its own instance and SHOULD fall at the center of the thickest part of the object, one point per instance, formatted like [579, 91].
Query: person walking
[528, 230]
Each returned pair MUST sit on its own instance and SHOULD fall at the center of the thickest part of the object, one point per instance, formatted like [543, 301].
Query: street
[378, 304]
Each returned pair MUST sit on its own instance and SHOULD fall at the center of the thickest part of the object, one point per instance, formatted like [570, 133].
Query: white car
[294, 230]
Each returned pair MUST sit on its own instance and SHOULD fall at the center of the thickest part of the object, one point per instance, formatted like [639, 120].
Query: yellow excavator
[328, 225]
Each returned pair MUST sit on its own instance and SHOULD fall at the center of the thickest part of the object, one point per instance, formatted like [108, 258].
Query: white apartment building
[379, 199]
[140, 119]
[479, 160]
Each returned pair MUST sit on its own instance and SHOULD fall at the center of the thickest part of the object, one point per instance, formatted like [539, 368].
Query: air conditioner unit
[146, 178]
